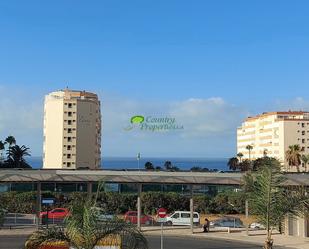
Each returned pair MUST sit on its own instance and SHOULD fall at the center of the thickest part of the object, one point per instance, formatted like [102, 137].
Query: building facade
[272, 133]
[72, 130]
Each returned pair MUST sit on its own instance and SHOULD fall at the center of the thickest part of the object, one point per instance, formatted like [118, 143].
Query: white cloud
[21, 116]
[207, 117]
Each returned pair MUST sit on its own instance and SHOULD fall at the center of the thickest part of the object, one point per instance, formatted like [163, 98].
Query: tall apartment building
[72, 130]
[272, 133]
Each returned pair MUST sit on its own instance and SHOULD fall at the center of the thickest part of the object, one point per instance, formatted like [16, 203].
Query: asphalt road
[17, 242]
[12, 242]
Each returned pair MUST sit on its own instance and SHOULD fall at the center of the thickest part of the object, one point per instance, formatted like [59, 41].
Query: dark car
[233, 222]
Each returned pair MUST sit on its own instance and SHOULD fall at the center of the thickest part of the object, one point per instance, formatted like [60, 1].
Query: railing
[17, 219]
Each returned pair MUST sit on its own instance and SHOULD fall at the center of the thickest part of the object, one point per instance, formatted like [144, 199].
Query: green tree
[83, 230]
[168, 165]
[245, 165]
[196, 169]
[16, 157]
[259, 163]
[305, 159]
[233, 163]
[149, 166]
[269, 200]
[293, 156]
[1, 150]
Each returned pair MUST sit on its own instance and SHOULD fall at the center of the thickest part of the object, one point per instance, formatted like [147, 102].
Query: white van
[182, 218]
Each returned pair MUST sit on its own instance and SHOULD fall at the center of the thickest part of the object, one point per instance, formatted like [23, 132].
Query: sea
[131, 163]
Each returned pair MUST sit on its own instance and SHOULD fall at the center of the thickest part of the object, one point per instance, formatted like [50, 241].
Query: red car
[131, 216]
[57, 213]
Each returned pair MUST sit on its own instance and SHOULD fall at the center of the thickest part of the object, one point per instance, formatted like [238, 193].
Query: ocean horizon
[118, 163]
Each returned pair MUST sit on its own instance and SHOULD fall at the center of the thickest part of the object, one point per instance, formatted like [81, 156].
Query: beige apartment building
[272, 133]
[72, 130]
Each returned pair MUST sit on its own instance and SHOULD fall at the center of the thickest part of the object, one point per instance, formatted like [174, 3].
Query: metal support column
[139, 209]
[89, 189]
[38, 203]
[191, 208]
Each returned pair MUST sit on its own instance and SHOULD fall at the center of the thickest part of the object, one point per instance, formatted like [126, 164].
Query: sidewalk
[17, 231]
[256, 237]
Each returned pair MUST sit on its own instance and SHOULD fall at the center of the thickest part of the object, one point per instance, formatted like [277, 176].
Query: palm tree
[83, 230]
[233, 163]
[305, 159]
[10, 140]
[249, 148]
[293, 156]
[16, 156]
[240, 155]
[269, 200]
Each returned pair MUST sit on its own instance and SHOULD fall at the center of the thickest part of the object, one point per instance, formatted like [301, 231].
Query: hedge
[113, 202]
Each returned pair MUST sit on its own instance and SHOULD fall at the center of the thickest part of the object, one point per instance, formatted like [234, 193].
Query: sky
[209, 64]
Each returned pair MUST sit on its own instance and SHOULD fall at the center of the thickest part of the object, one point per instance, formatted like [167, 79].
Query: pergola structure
[136, 177]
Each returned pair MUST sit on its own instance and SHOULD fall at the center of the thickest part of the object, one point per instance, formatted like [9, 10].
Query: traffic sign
[162, 212]
[48, 201]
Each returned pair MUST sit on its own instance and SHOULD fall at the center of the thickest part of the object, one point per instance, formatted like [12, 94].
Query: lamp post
[138, 159]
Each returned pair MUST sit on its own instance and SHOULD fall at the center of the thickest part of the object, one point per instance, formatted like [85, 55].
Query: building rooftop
[144, 177]
[288, 113]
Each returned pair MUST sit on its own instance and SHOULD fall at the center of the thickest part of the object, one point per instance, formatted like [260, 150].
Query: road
[199, 243]
[17, 242]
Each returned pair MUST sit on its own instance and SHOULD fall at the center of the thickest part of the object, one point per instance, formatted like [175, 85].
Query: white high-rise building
[272, 133]
[72, 130]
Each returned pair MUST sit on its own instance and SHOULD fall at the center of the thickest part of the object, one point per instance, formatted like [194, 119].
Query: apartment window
[303, 132]
[69, 130]
[69, 147]
[70, 105]
[64, 146]
[68, 156]
[70, 114]
[69, 139]
[64, 162]
[68, 164]
[303, 141]
[64, 154]
[69, 122]
[303, 125]
[302, 148]
[298, 131]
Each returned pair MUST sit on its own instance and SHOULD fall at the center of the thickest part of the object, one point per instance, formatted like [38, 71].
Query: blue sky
[213, 62]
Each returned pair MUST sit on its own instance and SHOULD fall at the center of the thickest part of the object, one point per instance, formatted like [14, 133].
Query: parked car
[102, 215]
[57, 213]
[256, 225]
[233, 222]
[182, 218]
[131, 216]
